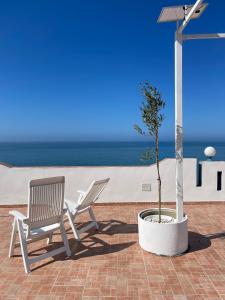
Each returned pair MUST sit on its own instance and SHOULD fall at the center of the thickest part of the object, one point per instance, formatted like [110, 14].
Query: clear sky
[70, 70]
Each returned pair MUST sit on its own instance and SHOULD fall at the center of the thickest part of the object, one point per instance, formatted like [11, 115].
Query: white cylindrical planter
[168, 239]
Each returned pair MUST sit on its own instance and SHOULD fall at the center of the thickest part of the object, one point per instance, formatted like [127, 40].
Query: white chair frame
[45, 215]
[84, 204]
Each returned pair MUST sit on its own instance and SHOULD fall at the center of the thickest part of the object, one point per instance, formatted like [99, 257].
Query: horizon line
[110, 141]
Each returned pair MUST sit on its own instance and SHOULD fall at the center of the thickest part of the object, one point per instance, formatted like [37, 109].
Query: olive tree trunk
[158, 178]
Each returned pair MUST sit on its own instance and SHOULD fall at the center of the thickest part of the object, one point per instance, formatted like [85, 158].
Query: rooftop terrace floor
[109, 264]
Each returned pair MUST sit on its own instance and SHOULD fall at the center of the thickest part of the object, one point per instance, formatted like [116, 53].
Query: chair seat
[44, 230]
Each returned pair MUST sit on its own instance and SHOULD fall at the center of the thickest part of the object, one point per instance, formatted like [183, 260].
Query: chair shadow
[109, 227]
[114, 226]
[96, 247]
[91, 245]
[79, 250]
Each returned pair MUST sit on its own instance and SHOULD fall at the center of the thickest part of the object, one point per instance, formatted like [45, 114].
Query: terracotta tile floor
[109, 264]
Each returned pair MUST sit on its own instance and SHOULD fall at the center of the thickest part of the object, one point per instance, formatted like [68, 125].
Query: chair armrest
[81, 192]
[18, 215]
[71, 205]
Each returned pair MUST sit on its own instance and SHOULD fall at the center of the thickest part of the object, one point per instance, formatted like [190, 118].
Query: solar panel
[175, 13]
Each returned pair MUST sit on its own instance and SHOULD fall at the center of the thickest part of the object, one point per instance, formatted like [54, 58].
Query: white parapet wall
[127, 184]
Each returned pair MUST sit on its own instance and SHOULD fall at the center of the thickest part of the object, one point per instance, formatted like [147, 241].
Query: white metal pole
[188, 17]
[178, 126]
[203, 36]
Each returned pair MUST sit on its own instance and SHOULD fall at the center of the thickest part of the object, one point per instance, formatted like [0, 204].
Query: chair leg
[73, 226]
[49, 240]
[23, 245]
[13, 239]
[64, 238]
[92, 216]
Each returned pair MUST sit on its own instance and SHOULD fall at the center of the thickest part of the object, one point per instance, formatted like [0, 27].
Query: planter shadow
[218, 235]
[197, 242]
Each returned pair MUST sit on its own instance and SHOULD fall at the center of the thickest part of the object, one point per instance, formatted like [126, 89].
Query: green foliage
[150, 110]
[148, 155]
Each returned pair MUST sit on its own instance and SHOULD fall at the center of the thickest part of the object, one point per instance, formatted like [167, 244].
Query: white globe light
[210, 151]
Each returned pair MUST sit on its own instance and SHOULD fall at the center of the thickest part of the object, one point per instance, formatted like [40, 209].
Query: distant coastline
[95, 153]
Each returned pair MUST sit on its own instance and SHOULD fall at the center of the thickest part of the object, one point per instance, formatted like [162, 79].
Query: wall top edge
[3, 164]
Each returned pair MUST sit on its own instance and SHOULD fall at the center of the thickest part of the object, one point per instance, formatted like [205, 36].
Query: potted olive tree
[159, 230]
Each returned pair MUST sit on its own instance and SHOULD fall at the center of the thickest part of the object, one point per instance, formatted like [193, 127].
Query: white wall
[125, 182]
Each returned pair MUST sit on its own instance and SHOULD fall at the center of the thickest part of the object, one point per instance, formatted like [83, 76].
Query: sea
[97, 153]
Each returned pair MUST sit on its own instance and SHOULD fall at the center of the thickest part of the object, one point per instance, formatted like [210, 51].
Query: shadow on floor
[90, 248]
[91, 245]
[112, 227]
[96, 246]
[218, 235]
[198, 241]
[109, 228]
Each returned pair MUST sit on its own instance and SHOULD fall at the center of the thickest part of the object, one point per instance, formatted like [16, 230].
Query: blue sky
[70, 70]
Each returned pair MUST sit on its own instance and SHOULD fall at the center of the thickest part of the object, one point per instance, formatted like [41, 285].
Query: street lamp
[182, 16]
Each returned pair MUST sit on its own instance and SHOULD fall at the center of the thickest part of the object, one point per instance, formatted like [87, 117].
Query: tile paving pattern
[109, 264]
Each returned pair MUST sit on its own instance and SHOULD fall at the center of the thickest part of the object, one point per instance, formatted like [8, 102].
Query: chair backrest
[45, 204]
[93, 192]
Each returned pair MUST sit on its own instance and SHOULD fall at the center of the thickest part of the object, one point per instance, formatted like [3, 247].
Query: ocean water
[95, 153]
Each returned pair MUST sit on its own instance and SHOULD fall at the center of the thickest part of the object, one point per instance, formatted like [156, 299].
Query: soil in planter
[155, 219]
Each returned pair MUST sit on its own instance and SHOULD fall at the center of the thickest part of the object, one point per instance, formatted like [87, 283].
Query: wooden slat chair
[83, 204]
[44, 216]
